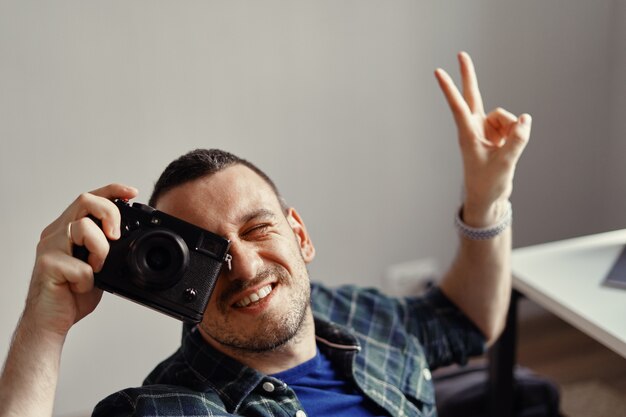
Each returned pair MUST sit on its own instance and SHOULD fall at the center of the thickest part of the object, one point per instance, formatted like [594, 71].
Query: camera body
[162, 262]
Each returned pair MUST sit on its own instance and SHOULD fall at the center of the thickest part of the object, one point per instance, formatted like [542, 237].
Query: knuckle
[46, 262]
[84, 269]
[44, 245]
[83, 223]
[44, 234]
[83, 198]
[41, 246]
[46, 231]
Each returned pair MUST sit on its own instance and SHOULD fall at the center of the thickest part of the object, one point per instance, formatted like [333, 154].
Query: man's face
[263, 301]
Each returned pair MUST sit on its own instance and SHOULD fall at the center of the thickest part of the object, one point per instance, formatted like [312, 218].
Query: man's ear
[299, 229]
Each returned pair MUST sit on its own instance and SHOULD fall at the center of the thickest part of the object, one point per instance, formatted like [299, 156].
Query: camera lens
[158, 259]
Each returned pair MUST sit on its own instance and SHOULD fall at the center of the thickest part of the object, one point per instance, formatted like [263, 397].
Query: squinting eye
[262, 228]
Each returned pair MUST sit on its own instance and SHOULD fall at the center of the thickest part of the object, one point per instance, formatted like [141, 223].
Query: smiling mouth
[254, 297]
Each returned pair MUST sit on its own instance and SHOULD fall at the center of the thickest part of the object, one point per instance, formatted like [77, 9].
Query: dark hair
[200, 163]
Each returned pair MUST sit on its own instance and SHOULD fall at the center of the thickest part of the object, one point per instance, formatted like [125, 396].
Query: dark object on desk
[617, 275]
[462, 392]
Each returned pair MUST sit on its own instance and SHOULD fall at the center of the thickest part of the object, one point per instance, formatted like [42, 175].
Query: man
[271, 343]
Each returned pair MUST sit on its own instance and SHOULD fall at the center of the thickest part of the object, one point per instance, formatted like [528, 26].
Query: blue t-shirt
[324, 392]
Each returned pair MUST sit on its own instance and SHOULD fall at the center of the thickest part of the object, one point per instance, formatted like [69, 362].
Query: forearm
[479, 279]
[29, 378]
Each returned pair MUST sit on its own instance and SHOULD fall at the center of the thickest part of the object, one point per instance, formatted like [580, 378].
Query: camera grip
[80, 252]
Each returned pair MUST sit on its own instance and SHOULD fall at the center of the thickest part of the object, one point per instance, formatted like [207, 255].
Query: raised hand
[491, 145]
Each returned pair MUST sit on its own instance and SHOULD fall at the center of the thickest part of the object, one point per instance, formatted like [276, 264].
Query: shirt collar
[234, 381]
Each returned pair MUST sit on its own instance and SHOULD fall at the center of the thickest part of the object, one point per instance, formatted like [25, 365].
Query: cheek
[286, 253]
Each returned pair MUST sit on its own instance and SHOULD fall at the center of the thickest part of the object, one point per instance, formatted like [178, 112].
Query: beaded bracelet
[484, 233]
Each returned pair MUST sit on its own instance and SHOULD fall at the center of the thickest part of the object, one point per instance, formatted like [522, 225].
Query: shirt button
[268, 387]
[300, 413]
[427, 375]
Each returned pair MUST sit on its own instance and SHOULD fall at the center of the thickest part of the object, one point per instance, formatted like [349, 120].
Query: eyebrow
[256, 215]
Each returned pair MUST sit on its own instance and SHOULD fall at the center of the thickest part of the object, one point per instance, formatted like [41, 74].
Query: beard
[272, 329]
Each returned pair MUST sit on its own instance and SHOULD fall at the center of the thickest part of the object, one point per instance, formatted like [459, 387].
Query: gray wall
[336, 100]
[614, 183]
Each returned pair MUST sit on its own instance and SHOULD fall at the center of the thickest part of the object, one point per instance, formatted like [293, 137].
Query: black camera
[161, 262]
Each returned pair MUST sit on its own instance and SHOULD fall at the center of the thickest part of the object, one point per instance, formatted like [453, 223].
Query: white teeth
[254, 297]
[265, 291]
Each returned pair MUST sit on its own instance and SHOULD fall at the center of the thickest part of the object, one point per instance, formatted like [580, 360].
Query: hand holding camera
[62, 290]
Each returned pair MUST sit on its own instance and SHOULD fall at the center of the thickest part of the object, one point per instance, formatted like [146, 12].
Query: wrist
[482, 215]
[32, 327]
[488, 232]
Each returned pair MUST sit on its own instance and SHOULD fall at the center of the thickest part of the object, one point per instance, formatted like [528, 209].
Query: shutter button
[268, 387]
[300, 413]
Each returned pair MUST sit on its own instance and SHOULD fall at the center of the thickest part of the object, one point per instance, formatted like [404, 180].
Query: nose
[245, 262]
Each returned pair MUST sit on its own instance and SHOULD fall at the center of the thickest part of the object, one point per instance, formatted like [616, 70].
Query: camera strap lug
[229, 259]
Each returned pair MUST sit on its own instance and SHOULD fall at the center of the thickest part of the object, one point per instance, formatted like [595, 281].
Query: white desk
[565, 278]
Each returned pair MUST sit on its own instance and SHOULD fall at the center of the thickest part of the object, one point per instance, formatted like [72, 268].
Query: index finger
[115, 190]
[458, 105]
[98, 204]
[110, 216]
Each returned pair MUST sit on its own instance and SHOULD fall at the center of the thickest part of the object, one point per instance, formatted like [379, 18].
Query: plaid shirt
[386, 346]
